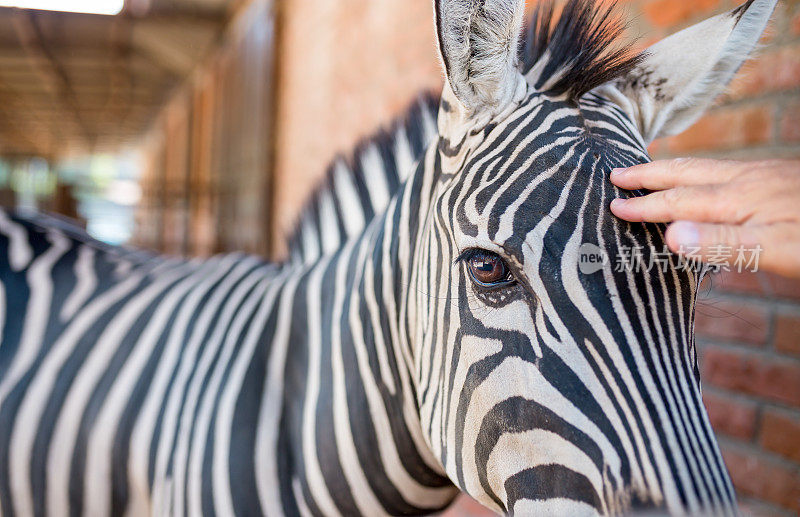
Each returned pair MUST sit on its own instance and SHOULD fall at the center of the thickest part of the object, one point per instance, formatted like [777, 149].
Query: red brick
[731, 321]
[735, 418]
[795, 24]
[726, 129]
[780, 433]
[755, 508]
[764, 479]
[777, 380]
[790, 123]
[664, 13]
[667, 13]
[787, 334]
[784, 287]
[774, 71]
[744, 282]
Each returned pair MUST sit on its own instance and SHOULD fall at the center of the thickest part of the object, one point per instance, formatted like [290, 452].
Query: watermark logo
[591, 259]
[640, 259]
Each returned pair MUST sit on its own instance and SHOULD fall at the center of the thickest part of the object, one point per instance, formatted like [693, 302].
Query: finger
[667, 174]
[719, 245]
[781, 243]
[704, 203]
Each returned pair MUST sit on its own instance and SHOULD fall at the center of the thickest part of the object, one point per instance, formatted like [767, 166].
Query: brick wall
[748, 325]
[345, 66]
[748, 331]
[760, 116]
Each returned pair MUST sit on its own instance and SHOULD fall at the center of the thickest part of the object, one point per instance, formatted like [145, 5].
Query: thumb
[720, 245]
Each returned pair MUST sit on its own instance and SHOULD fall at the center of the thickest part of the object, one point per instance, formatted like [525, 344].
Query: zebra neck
[351, 421]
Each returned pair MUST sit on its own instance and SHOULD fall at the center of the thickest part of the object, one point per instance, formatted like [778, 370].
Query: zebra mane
[357, 187]
[575, 53]
[570, 54]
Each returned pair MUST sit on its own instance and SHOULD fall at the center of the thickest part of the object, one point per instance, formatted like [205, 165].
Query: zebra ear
[478, 44]
[683, 74]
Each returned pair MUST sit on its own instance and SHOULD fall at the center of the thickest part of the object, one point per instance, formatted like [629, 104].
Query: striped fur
[354, 190]
[369, 374]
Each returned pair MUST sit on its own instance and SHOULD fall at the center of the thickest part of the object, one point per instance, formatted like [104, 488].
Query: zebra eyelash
[469, 253]
[465, 255]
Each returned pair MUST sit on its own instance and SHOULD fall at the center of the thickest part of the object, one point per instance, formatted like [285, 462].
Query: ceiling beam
[27, 129]
[120, 78]
[166, 15]
[70, 80]
[35, 44]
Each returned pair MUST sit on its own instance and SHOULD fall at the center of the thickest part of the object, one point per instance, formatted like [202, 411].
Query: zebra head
[546, 387]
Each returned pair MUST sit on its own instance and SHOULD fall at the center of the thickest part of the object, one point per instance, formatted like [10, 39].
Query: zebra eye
[487, 269]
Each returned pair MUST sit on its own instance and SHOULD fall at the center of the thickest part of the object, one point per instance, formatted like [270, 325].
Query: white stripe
[202, 422]
[429, 124]
[497, 388]
[473, 350]
[362, 493]
[187, 419]
[311, 251]
[516, 452]
[222, 475]
[678, 409]
[177, 344]
[41, 386]
[86, 282]
[302, 507]
[408, 310]
[99, 452]
[267, 453]
[346, 193]
[37, 313]
[380, 346]
[554, 507]
[187, 355]
[411, 490]
[404, 158]
[375, 179]
[123, 268]
[316, 481]
[20, 253]
[328, 224]
[3, 310]
[65, 434]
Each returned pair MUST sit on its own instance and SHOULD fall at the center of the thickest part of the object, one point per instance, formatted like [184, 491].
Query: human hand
[720, 203]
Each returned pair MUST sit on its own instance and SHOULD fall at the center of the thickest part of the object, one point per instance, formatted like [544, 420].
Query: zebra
[415, 345]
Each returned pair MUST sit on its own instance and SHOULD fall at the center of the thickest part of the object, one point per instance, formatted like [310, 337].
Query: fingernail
[686, 234]
[618, 202]
[618, 171]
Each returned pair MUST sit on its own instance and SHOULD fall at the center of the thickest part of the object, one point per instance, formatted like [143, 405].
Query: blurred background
[193, 127]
